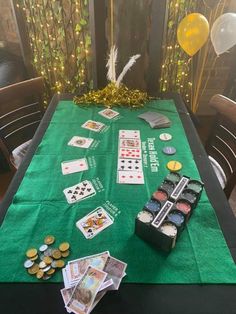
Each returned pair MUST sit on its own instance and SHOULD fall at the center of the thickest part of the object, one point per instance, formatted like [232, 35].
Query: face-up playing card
[130, 153]
[129, 134]
[93, 125]
[79, 141]
[130, 143]
[73, 166]
[130, 165]
[79, 192]
[130, 177]
[108, 113]
[94, 222]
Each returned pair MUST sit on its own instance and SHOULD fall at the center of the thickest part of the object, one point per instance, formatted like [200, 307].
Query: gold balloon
[193, 32]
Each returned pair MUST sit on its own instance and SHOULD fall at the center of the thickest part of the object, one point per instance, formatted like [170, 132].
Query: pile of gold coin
[47, 259]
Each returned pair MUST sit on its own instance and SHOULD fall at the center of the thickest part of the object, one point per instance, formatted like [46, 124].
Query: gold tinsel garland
[112, 95]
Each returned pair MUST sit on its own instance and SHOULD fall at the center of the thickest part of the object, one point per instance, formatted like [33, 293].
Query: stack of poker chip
[166, 214]
[44, 261]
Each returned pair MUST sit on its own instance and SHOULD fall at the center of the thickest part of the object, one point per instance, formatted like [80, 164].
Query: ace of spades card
[79, 192]
[94, 222]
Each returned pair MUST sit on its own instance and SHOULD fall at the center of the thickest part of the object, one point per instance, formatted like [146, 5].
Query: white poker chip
[169, 229]
[165, 137]
[145, 216]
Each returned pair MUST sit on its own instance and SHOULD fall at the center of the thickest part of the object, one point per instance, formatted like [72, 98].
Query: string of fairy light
[60, 41]
[176, 71]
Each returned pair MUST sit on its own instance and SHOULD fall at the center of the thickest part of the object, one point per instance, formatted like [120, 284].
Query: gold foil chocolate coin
[64, 246]
[34, 258]
[50, 271]
[47, 260]
[65, 254]
[56, 254]
[31, 253]
[34, 269]
[40, 274]
[60, 263]
[49, 239]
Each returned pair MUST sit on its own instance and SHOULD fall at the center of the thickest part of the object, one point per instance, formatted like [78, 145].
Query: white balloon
[223, 33]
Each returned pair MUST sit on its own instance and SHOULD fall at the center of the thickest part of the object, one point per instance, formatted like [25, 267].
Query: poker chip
[174, 165]
[195, 185]
[145, 216]
[174, 177]
[189, 195]
[169, 229]
[165, 137]
[176, 217]
[168, 186]
[160, 195]
[169, 150]
[184, 206]
[153, 206]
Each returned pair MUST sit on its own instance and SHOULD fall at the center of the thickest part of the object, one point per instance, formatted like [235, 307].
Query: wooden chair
[221, 145]
[21, 111]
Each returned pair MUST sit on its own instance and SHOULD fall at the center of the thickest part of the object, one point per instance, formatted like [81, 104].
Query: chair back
[221, 144]
[21, 111]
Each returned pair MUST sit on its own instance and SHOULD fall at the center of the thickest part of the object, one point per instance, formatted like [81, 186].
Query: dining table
[198, 275]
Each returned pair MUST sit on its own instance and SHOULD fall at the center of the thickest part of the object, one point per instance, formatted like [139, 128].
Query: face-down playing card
[79, 192]
[94, 222]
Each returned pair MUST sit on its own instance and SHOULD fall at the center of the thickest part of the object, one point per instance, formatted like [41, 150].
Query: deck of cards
[155, 120]
[129, 167]
[94, 222]
[87, 280]
[79, 192]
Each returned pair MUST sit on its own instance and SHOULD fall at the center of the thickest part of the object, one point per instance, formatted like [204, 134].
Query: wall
[8, 32]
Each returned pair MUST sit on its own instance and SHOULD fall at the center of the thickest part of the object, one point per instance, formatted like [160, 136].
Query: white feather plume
[111, 64]
[130, 63]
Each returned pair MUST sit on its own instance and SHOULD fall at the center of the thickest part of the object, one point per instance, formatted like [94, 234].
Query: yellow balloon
[193, 32]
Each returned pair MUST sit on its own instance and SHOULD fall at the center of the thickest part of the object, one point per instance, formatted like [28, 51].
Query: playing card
[129, 134]
[93, 125]
[130, 177]
[130, 164]
[130, 153]
[78, 141]
[108, 113]
[130, 143]
[94, 223]
[73, 166]
[79, 192]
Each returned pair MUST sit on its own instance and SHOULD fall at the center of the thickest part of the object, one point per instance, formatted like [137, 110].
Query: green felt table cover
[39, 207]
